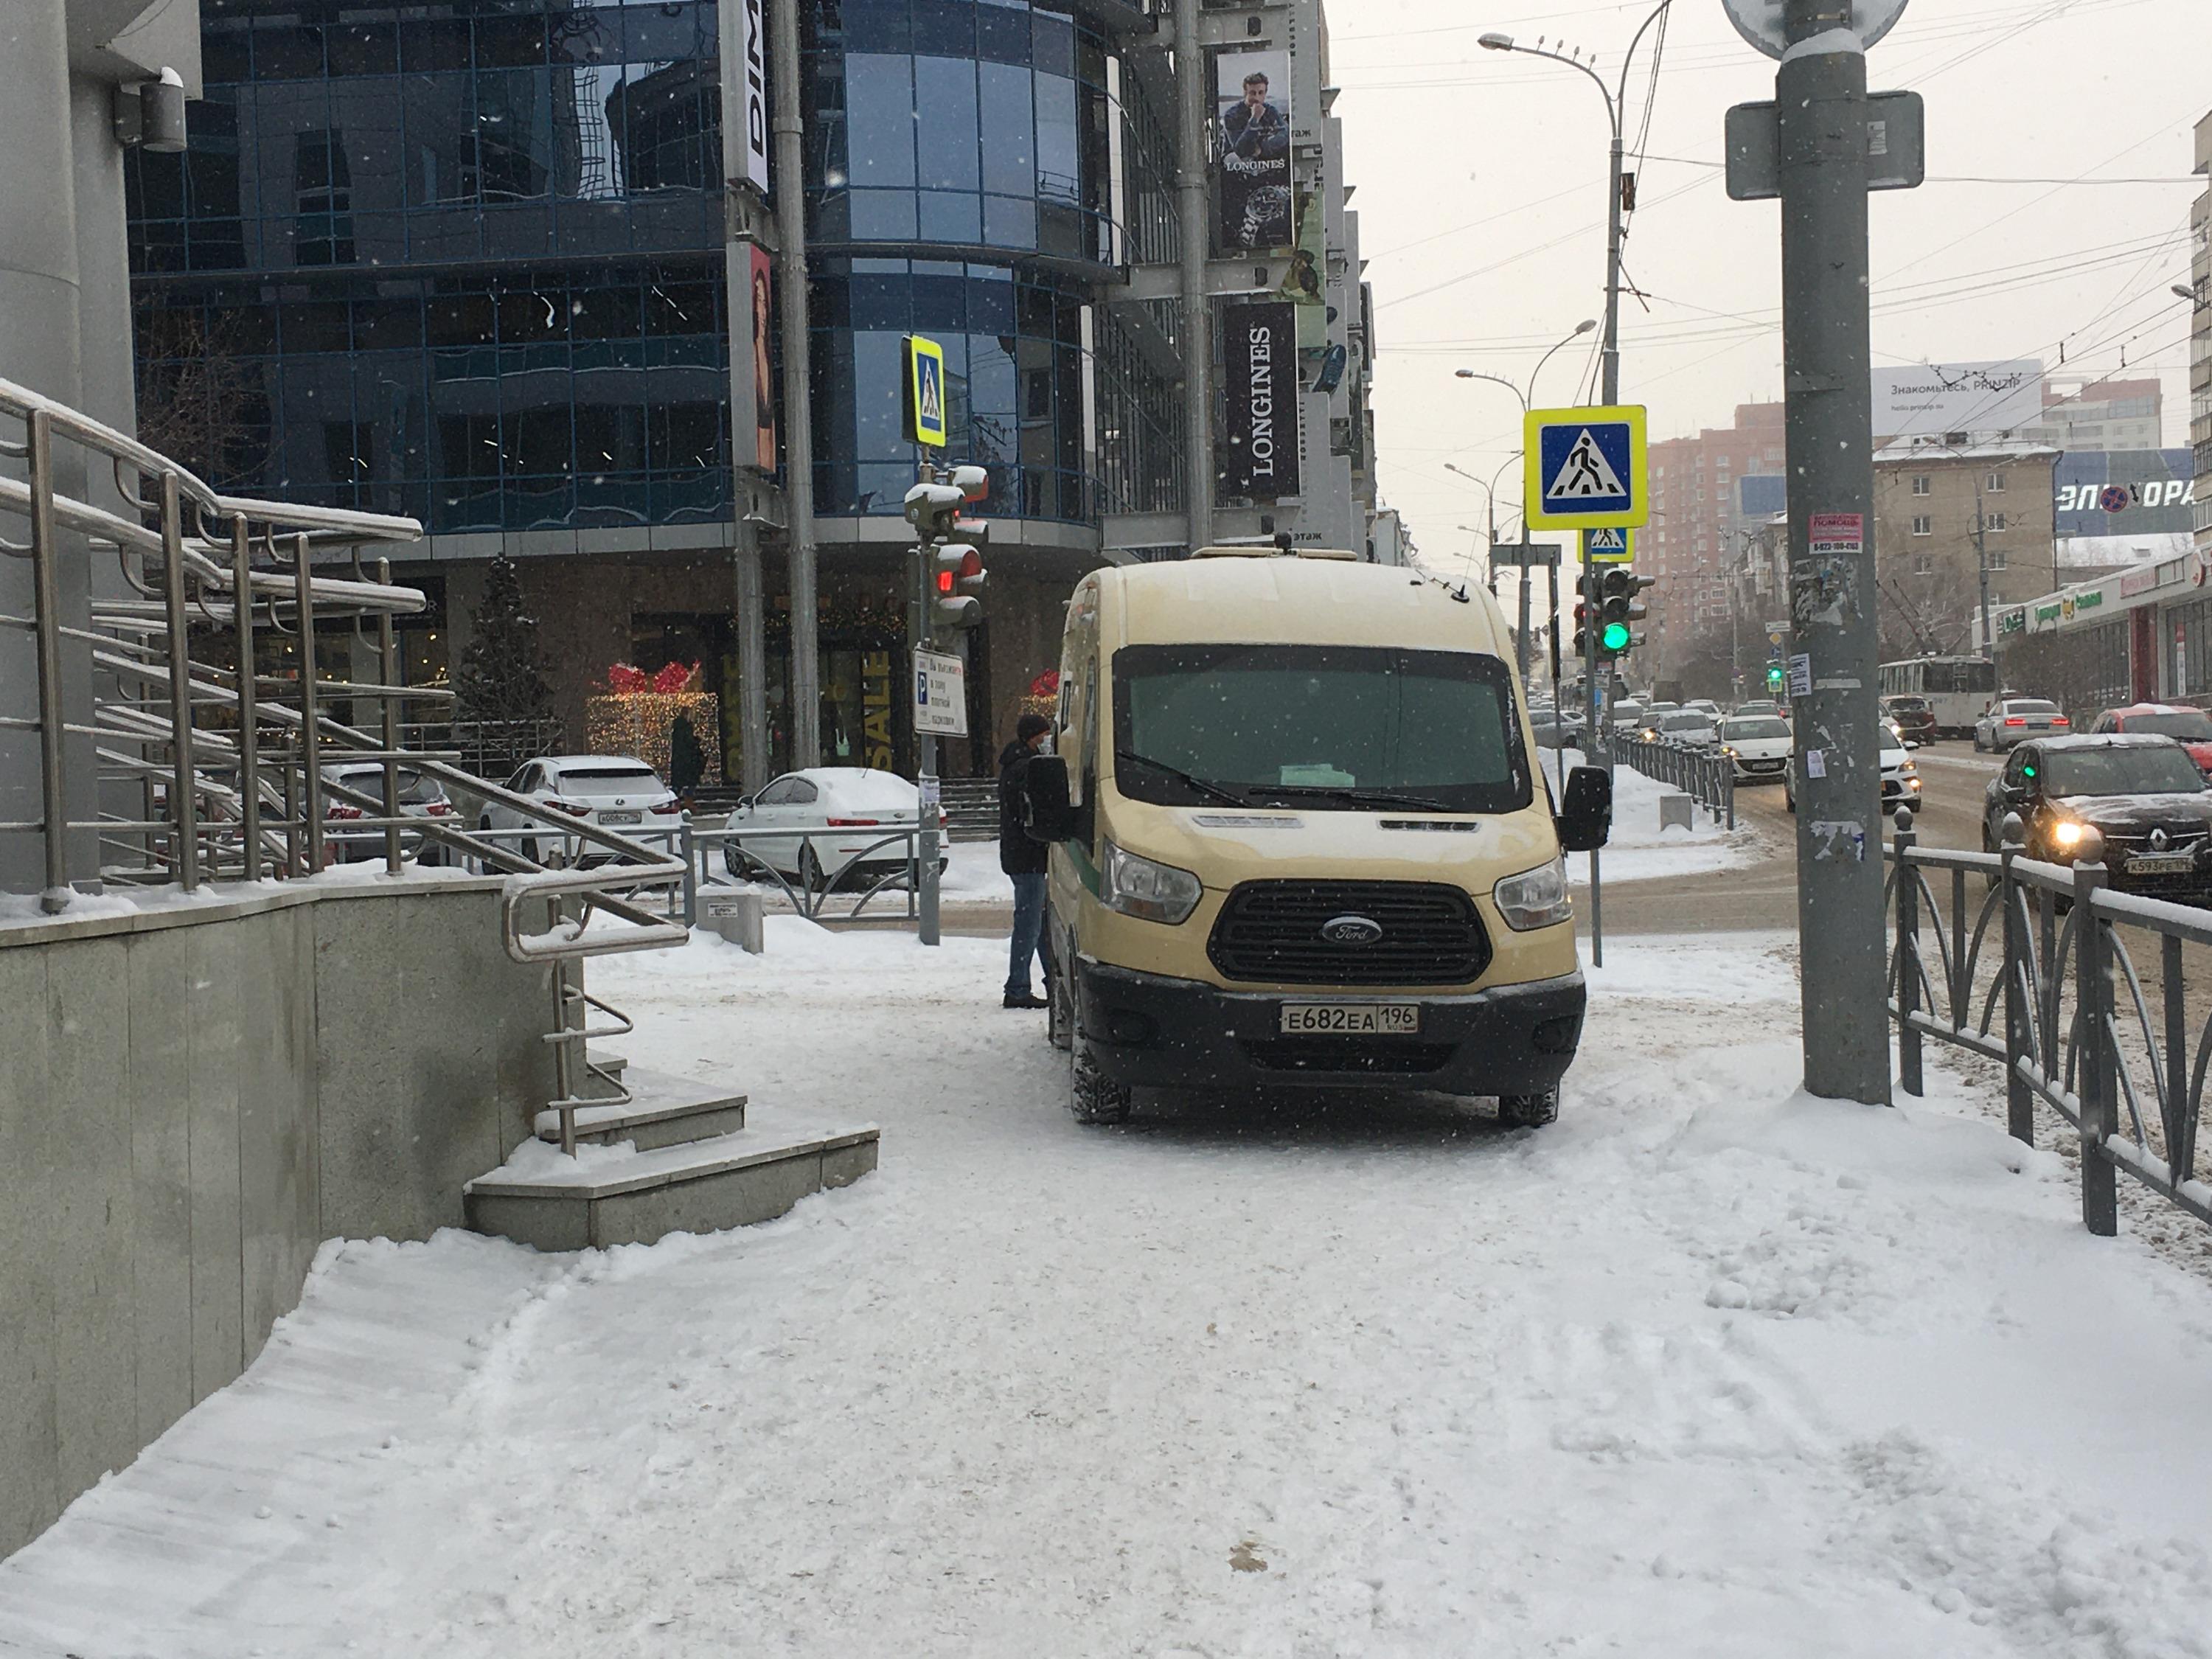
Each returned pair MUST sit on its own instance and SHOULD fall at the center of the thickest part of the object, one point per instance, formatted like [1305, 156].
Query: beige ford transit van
[1300, 835]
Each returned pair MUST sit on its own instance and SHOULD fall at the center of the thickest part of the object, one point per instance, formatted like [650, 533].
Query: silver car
[2012, 720]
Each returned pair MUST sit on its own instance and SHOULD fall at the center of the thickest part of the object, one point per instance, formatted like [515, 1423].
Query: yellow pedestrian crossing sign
[1586, 469]
[922, 402]
[1608, 546]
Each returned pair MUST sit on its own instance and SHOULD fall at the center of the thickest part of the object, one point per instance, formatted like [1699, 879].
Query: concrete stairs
[677, 1157]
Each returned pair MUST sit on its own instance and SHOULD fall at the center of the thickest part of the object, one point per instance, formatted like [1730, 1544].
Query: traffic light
[949, 546]
[1590, 590]
[1774, 676]
[959, 580]
[931, 509]
[1619, 609]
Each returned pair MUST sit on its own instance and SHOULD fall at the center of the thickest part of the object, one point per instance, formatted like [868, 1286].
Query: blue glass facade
[463, 260]
[457, 261]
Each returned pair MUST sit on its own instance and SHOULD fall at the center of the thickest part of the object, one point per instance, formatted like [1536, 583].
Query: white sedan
[1759, 747]
[1900, 778]
[616, 791]
[849, 811]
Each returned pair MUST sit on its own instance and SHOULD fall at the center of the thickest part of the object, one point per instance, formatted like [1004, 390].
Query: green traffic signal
[1615, 637]
[1773, 674]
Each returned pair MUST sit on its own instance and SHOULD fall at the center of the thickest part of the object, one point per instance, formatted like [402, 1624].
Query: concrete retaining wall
[191, 1100]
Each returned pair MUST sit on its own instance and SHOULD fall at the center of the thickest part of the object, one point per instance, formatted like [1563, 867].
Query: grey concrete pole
[1194, 113]
[1826, 371]
[790, 187]
[748, 597]
[41, 343]
[1982, 563]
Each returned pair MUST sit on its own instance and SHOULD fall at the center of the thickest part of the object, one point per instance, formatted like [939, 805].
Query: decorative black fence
[1706, 776]
[2032, 966]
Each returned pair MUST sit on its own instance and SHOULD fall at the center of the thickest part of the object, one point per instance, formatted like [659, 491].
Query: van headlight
[1534, 898]
[1136, 887]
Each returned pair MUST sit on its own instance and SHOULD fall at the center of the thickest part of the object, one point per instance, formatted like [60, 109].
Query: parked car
[854, 807]
[1706, 705]
[2009, 721]
[1900, 778]
[1652, 711]
[2190, 727]
[2143, 792]
[1759, 745]
[345, 839]
[1762, 706]
[1912, 716]
[1626, 714]
[616, 791]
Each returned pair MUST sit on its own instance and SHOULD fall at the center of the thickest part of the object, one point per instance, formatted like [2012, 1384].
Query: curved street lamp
[1527, 399]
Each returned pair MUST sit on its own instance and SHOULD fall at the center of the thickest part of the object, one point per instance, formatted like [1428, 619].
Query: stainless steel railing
[226, 761]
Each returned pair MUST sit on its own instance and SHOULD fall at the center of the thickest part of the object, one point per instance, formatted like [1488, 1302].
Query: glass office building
[463, 260]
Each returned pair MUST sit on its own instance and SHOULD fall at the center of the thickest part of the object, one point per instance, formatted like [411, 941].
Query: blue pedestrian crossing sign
[1608, 546]
[1585, 469]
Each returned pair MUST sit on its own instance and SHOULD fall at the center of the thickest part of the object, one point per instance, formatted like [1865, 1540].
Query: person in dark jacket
[1024, 860]
[687, 757]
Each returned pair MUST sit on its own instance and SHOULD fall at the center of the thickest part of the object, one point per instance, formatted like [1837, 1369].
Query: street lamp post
[1615, 99]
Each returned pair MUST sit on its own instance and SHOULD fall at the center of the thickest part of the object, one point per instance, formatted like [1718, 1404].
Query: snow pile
[1707, 1369]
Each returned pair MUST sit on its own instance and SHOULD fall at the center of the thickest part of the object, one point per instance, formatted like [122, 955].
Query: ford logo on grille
[1351, 930]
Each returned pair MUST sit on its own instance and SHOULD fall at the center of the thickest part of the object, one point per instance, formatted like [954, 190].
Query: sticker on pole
[1585, 469]
[1830, 535]
[1608, 546]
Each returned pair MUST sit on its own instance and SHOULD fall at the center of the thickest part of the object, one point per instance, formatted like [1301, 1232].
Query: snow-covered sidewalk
[1704, 1370]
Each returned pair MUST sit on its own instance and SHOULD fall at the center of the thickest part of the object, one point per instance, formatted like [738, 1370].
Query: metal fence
[2034, 965]
[1706, 776]
[741, 857]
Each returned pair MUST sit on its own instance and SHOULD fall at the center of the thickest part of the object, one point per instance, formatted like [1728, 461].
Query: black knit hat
[1030, 725]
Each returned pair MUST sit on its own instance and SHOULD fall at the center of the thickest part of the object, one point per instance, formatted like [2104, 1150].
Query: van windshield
[1320, 725]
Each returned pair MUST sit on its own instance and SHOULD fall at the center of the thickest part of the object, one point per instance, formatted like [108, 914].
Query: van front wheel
[1529, 1111]
[1090, 1097]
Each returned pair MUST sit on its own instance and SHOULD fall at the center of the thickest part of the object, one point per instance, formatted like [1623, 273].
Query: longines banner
[1252, 150]
[1260, 345]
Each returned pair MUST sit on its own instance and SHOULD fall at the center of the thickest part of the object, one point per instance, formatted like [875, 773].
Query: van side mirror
[1586, 818]
[1047, 814]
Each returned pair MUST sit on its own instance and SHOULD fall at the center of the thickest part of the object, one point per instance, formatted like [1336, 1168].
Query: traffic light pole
[1821, 97]
[923, 636]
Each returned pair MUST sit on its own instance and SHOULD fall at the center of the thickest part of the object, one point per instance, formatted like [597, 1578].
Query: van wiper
[1357, 797]
[1213, 791]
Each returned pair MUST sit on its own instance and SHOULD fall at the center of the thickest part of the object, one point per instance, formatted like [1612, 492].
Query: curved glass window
[440, 130]
[539, 400]
[1014, 366]
[967, 122]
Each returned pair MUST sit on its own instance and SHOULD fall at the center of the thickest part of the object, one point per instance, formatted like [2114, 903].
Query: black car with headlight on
[2142, 793]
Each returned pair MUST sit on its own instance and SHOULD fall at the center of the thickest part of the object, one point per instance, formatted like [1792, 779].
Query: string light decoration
[636, 713]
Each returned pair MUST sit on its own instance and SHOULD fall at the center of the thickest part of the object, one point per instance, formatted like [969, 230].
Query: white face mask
[1045, 747]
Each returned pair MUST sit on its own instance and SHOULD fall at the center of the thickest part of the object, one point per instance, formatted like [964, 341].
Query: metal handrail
[230, 760]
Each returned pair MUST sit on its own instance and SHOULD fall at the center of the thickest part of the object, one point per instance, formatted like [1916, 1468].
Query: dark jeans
[1029, 933]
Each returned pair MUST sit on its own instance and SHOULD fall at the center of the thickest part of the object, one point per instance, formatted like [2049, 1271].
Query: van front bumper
[1149, 1030]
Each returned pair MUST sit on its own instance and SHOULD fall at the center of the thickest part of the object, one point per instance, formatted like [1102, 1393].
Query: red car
[2192, 727]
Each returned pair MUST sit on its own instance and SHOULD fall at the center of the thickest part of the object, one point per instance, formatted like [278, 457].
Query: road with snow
[1705, 1369]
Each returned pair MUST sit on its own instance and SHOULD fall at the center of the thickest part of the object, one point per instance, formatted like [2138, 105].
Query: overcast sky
[1480, 189]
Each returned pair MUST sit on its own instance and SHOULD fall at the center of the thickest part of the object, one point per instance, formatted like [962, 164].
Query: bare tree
[201, 400]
